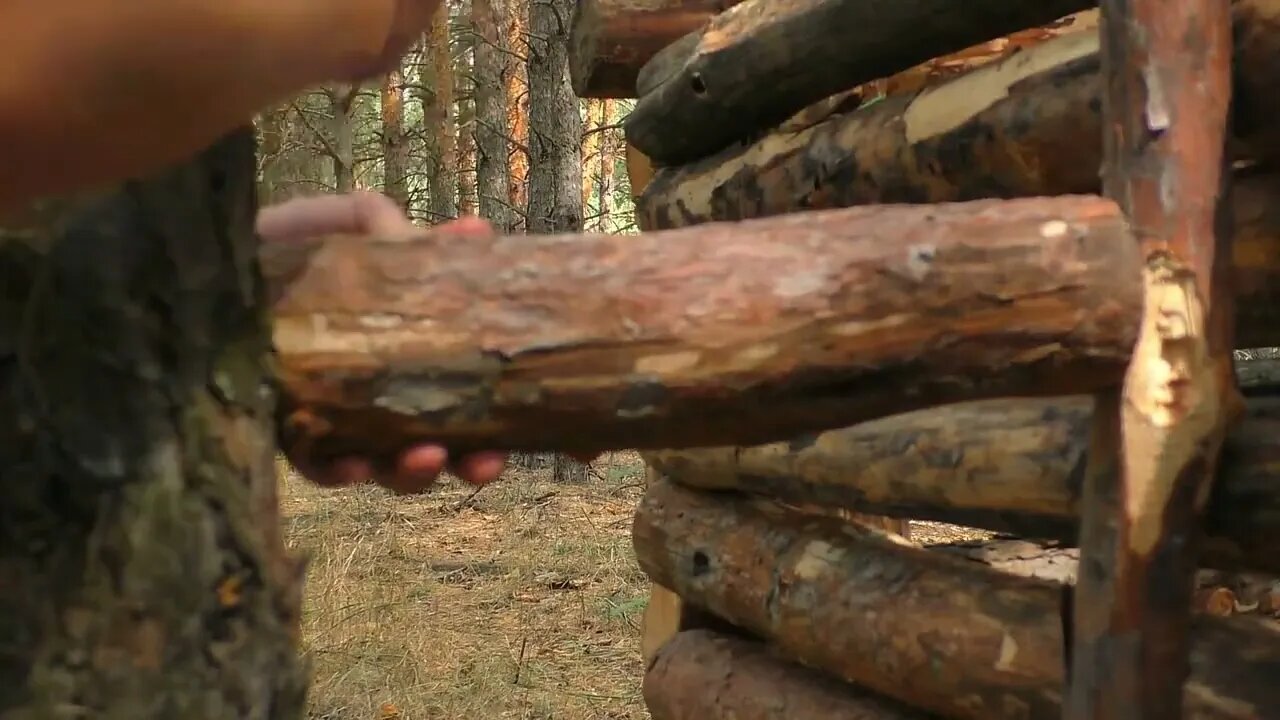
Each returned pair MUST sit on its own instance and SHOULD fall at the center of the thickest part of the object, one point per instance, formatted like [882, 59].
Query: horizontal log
[729, 333]
[1009, 465]
[702, 675]
[1027, 125]
[946, 635]
[762, 60]
[609, 40]
[1217, 593]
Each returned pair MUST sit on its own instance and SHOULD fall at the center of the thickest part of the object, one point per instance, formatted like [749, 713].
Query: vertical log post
[1155, 444]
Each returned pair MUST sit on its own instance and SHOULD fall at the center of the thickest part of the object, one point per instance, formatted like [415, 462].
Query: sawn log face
[724, 334]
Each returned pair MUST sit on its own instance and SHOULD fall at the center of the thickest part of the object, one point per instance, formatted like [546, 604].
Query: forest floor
[523, 601]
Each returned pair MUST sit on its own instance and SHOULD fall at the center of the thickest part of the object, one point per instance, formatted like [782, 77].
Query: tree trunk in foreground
[945, 634]
[1007, 465]
[142, 574]
[702, 675]
[713, 335]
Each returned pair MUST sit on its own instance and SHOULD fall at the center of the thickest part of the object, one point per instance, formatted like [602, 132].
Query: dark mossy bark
[142, 574]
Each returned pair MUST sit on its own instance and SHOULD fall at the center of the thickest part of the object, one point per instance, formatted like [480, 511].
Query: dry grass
[523, 602]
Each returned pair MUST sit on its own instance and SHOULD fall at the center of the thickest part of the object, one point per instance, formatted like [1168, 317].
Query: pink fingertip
[468, 225]
[482, 468]
[350, 471]
[423, 460]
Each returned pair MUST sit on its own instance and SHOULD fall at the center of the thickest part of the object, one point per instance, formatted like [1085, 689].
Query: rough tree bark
[555, 161]
[1006, 465]
[1155, 444]
[395, 147]
[493, 171]
[517, 89]
[944, 634]
[610, 40]
[736, 334]
[439, 120]
[703, 675]
[760, 61]
[142, 574]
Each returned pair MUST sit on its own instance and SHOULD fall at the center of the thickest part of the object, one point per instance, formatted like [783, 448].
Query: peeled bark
[701, 675]
[610, 40]
[1006, 465]
[761, 61]
[721, 334]
[944, 634]
[1029, 125]
[142, 574]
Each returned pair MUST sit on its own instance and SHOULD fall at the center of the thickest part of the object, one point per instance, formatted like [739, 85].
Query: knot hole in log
[701, 563]
[698, 84]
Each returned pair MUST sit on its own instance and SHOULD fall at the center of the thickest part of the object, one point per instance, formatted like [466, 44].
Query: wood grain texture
[946, 634]
[702, 675]
[727, 333]
[610, 40]
[1028, 125]
[762, 60]
[1154, 456]
[1008, 465]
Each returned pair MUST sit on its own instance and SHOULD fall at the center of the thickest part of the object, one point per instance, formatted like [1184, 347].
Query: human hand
[366, 213]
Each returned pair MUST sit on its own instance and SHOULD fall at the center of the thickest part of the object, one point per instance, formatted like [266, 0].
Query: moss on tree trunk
[142, 574]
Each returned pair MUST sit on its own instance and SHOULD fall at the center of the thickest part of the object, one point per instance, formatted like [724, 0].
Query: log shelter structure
[1133, 570]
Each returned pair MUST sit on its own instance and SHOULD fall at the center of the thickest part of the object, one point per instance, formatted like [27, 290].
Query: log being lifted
[1007, 465]
[1027, 125]
[609, 40]
[703, 675]
[947, 635]
[722, 334]
[760, 61]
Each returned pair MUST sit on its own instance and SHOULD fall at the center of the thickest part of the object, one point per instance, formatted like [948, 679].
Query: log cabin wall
[1135, 574]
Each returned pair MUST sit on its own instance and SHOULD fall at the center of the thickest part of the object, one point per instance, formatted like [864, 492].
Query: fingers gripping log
[947, 635]
[720, 334]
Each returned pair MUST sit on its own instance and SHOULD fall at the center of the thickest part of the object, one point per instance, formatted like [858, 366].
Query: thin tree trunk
[518, 109]
[395, 149]
[590, 155]
[342, 153]
[142, 573]
[493, 176]
[465, 87]
[440, 120]
[555, 134]
[608, 157]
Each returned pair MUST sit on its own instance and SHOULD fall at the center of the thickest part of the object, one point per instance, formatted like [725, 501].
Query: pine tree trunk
[608, 156]
[518, 109]
[395, 149]
[493, 175]
[142, 573]
[555, 134]
[590, 156]
[440, 120]
[465, 87]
